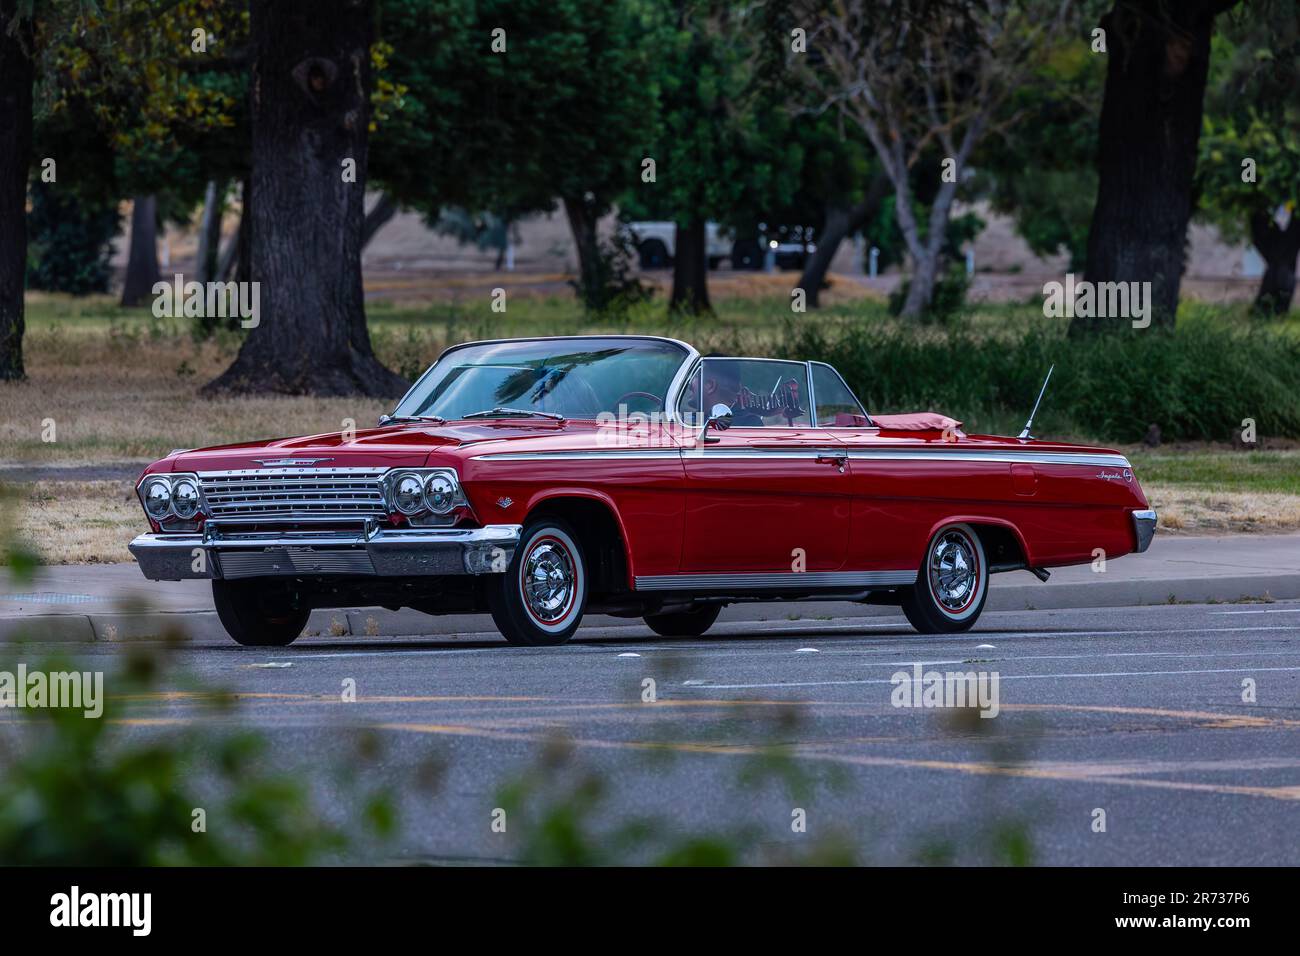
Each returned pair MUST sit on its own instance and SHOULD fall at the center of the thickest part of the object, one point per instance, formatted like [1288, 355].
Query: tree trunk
[310, 115]
[1158, 59]
[1280, 248]
[841, 221]
[17, 72]
[244, 238]
[214, 203]
[927, 253]
[384, 210]
[690, 270]
[238, 249]
[582, 224]
[142, 261]
[920, 290]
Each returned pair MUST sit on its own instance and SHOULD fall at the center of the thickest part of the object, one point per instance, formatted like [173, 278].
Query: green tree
[1042, 169]
[722, 152]
[70, 242]
[1158, 59]
[1249, 168]
[559, 105]
[926, 81]
[310, 134]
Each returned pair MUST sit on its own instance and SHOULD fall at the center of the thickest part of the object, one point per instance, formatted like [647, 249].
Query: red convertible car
[541, 479]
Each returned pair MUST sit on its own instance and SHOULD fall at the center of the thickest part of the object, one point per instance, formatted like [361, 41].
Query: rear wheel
[690, 623]
[256, 615]
[952, 584]
[540, 598]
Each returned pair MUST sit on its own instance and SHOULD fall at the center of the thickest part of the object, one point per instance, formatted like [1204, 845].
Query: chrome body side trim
[1008, 456]
[776, 580]
[386, 552]
[1144, 527]
[620, 454]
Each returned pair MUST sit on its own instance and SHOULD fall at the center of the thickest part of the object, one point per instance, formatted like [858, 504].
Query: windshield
[575, 378]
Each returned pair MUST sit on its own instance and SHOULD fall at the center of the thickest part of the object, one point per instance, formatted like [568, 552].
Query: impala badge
[289, 462]
[505, 502]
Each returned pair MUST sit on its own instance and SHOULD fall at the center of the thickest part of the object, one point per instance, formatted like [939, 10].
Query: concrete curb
[203, 625]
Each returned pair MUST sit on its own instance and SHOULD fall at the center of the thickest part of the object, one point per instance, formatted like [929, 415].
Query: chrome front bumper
[383, 552]
[1144, 526]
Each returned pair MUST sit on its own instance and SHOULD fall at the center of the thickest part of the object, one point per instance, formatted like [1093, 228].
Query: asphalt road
[1137, 712]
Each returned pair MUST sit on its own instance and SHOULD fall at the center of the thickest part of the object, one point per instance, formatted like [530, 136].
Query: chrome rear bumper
[381, 552]
[1144, 526]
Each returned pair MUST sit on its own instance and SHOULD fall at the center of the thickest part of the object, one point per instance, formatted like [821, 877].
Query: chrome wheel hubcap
[953, 571]
[548, 578]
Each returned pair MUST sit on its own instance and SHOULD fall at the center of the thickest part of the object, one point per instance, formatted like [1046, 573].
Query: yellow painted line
[1078, 773]
[329, 698]
[1226, 721]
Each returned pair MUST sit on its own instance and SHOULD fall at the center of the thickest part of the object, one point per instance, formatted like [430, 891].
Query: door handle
[839, 459]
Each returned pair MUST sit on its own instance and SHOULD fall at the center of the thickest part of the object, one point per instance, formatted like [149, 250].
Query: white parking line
[840, 683]
[1280, 610]
[721, 646]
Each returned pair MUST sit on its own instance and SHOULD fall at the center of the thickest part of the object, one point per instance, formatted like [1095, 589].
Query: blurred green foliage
[1197, 384]
[79, 791]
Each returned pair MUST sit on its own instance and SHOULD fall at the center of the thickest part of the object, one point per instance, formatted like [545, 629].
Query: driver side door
[771, 493]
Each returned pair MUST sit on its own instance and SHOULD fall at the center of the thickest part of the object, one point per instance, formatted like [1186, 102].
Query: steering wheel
[650, 395]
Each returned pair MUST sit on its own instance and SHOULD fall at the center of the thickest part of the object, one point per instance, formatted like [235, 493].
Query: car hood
[392, 446]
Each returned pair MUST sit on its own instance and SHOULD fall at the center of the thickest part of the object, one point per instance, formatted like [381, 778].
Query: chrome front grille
[292, 561]
[283, 492]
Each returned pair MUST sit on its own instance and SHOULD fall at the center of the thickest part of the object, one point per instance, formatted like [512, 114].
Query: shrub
[1197, 383]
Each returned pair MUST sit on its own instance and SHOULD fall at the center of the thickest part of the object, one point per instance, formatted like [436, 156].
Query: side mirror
[384, 420]
[719, 418]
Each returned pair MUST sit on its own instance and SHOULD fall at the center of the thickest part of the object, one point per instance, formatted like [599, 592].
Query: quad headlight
[425, 490]
[408, 494]
[440, 493]
[185, 498]
[171, 496]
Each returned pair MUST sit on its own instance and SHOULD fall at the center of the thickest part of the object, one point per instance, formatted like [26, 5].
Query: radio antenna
[1024, 434]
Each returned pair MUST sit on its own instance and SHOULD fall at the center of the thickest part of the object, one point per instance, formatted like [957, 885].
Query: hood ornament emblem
[505, 502]
[289, 462]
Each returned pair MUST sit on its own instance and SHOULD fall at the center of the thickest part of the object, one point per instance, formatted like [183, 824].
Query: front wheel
[952, 584]
[540, 598]
[690, 623]
[256, 615]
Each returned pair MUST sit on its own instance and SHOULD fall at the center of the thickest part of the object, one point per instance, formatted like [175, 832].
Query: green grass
[1262, 471]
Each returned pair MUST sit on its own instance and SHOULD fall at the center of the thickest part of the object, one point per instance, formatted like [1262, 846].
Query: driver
[722, 386]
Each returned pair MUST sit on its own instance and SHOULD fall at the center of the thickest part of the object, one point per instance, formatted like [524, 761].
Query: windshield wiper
[500, 412]
[406, 419]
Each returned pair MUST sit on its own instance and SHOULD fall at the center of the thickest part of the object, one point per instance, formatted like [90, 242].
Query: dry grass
[112, 397]
[1206, 511]
[65, 522]
[767, 286]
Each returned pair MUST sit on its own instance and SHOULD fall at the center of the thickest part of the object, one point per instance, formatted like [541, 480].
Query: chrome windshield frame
[675, 384]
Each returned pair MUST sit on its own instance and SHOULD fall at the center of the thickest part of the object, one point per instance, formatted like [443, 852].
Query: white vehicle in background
[656, 243]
